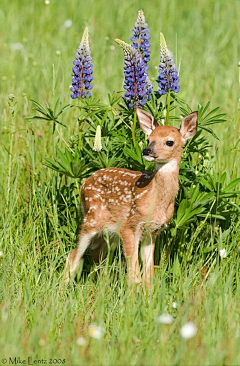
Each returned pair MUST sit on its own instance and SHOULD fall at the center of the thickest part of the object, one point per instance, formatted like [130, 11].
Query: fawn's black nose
[147, 151]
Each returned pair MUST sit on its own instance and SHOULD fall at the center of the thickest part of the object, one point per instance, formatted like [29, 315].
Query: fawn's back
[114, 197]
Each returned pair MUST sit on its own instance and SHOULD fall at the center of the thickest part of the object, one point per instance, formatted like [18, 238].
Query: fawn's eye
[170, 143]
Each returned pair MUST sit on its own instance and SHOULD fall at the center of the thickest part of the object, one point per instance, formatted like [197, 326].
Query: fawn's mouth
[156, 159]
[149, 158]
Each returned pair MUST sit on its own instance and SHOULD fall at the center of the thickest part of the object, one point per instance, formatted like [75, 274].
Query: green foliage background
[39, 209]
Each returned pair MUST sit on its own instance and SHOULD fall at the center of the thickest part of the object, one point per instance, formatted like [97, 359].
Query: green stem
[53, 93]
[78, 186]
[168, 106]
[9, 178]
[9, 168]
[101, 158]
[80, 140]
[79, 128]
[199, 229]
[134, 128]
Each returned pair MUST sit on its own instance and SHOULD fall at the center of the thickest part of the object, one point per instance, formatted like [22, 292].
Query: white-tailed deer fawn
[133, 204]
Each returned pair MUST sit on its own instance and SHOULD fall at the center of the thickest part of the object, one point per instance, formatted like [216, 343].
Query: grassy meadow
[99, 320]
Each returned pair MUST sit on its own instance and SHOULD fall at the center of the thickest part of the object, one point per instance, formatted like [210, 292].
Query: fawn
[133, 204]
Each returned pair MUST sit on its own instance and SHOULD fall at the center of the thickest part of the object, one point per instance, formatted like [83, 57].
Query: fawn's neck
[166, 178]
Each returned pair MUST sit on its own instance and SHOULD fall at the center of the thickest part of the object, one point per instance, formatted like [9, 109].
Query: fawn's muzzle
[147, 151]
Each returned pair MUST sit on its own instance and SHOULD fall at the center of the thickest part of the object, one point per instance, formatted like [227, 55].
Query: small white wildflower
[97, 142]
[95, 331]
[112, 47]
[164, 319]
[58, 52]
[11, 96]
[1, 254]
[47, 2]
[81, 341]
[174, 305]
[17, 46]
[67, 24]
[223, 253]
[188, 330]
[196, 172]
[106, 38]
[42, 342]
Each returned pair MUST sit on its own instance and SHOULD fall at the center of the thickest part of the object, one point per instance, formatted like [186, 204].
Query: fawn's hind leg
[76, 254]
[98, 248]
[147, 254]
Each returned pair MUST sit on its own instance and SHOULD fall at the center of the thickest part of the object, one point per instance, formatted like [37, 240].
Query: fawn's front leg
[130, 240]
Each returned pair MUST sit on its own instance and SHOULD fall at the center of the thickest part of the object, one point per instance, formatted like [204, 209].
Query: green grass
[40, 321]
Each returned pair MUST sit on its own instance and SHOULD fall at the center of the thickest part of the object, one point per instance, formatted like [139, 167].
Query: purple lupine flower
[141, 38]
[136, 81]
[168, 78]
[82, 70]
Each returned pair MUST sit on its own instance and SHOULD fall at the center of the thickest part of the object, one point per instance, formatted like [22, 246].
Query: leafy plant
[204, 201]
[49, 114]
[69, 164]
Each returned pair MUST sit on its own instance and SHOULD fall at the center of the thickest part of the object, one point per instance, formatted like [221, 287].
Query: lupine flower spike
[136, 82]
[168, 75]
[97, 141]
[82, 70]
[141, 38]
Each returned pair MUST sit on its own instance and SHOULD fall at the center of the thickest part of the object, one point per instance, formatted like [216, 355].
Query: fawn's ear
[146, 121]
[189, 126]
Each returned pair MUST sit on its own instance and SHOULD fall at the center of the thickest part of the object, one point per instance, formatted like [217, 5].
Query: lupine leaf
[232, 185]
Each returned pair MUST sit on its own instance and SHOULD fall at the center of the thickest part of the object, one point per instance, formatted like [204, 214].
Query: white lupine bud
[97, 142]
